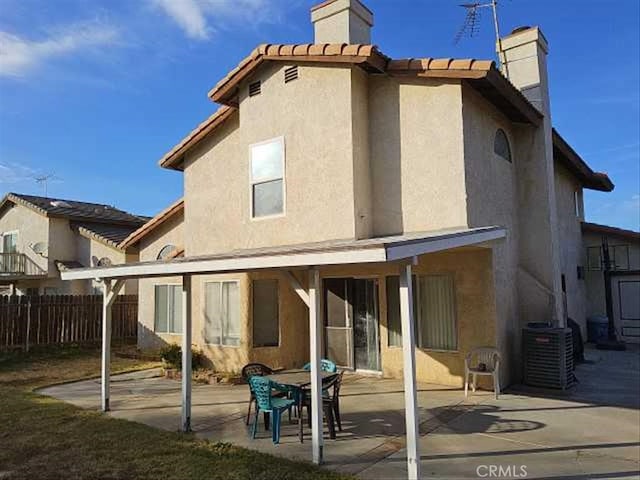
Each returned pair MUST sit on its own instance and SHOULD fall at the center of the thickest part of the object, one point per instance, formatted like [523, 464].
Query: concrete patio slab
[579, 436]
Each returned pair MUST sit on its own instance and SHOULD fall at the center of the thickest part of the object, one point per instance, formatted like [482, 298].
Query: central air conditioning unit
[548, 357]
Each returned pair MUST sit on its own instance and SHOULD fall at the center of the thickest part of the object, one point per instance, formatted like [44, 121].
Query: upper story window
[267, 178]
[577, 203]
[501, 145]
[9, 242]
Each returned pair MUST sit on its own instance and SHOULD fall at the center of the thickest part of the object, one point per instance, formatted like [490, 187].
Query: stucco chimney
[524, 55]
[342, 21]
[524, 62]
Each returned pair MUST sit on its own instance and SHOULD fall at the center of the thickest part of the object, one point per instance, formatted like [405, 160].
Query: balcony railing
[18, 264]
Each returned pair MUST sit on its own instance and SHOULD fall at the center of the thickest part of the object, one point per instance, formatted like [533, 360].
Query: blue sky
[96, 92]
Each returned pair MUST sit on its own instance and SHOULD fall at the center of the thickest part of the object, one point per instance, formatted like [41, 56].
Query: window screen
[266, 326]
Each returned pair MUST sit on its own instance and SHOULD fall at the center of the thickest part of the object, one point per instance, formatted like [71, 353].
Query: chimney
[342, 21]
[524, 57]
[524, 62]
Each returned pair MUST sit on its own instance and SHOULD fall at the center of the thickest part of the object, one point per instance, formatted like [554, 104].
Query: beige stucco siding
[571, 245]
[313, 115]
[169, 233]
[491, 187]
[31, 227]
[416, 150]
[88, 249]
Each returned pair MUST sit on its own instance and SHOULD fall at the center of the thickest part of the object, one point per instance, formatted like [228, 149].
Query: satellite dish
[104, 262]
[95, 261]
[39, 248]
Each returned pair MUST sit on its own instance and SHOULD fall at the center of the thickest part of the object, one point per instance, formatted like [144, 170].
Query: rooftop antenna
[471, 25]
[42, 180]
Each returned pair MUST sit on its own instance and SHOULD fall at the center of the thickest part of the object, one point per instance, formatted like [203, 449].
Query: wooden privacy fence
[28, 320]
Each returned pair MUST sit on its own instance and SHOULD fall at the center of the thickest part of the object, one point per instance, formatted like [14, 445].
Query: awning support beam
[315, 332]
[297, 287]
[409, 370]
[186, 353]
[109, 295]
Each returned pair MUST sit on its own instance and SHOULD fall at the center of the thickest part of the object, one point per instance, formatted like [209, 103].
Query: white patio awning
[334, 252]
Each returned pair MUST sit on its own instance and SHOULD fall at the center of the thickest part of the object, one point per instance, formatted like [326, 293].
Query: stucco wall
[313, 114]
[416, 150]
[88, 248]
[491, 185]
[31, 227]
[571, 244]
[170, 232]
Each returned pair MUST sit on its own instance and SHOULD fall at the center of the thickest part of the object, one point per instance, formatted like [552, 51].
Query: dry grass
[44, 438]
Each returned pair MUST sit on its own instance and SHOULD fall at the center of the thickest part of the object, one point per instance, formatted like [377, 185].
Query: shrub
[172, 356]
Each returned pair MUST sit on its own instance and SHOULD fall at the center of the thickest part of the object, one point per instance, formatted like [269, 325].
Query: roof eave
[158, 220]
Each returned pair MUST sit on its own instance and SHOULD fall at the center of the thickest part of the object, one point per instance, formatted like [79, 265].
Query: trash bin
[597, 328]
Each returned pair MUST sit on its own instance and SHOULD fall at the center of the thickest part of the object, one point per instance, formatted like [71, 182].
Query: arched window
[166, 251]
[501, 145]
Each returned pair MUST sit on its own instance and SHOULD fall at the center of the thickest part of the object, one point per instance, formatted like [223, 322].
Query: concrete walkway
[595, 433]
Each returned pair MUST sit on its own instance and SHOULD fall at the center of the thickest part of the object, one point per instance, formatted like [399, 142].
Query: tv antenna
[471, 25]
[43, 180]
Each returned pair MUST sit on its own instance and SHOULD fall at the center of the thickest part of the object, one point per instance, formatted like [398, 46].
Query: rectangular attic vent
[254, 89]
[290, 74]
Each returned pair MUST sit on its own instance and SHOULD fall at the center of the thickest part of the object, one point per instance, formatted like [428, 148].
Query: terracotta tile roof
[108, 234]
[151, 225]
[366, 56]
[481, 74]
[74, 210]
[563, 152]
[614, 231]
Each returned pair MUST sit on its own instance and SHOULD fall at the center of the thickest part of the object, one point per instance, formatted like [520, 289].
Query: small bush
[172, 356]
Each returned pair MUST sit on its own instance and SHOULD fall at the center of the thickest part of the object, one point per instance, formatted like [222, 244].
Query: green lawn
[45, 438]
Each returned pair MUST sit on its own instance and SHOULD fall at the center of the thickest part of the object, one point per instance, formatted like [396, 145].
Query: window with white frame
[267, 178]
[9, 242]
[168, 309]
[222, 313]
[434, 311]
[618, 257]
[577, 201]
[266, 324]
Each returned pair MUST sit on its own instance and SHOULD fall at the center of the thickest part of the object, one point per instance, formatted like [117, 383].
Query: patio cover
[402, 249]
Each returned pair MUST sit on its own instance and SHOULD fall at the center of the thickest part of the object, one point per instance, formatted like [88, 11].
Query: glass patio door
[366, 339]
[351, 323]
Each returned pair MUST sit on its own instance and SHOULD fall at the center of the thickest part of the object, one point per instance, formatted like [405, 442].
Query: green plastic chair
[325, 366]
[266, 402]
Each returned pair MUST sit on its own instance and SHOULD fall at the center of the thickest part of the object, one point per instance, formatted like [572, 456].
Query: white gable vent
[254, 89]
[290, 73]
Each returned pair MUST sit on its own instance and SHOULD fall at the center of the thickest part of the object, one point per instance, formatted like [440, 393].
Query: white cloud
[19, 55]
[11, 173]
[200, 18]
[188, 15]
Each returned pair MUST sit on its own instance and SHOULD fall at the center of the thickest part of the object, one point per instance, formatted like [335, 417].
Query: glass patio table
[298, 380]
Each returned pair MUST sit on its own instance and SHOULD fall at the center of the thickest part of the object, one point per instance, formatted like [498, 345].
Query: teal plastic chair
[262, 390]
[325, 366]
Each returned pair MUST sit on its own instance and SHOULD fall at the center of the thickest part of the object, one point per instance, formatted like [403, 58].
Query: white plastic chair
[491, 359]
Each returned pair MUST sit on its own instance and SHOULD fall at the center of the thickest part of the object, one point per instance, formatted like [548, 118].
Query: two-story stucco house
[40, 236]
[338, 192]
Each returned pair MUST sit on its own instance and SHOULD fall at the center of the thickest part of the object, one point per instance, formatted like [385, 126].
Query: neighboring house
[624, 256]
[334, 158]
[41, 236]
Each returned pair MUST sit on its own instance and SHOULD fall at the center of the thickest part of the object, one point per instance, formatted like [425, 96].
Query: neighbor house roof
[73, 210]
[481, 74]
[608, 230]
[134, 237]
[108, 234]
[576, 165]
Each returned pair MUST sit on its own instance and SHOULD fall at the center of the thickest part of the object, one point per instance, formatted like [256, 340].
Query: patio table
[298, 380]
